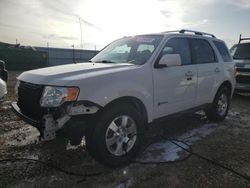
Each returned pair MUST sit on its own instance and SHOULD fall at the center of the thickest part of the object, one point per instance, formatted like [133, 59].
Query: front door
[175, 87]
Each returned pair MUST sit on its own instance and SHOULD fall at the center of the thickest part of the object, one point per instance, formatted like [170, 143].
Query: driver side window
[178, 46]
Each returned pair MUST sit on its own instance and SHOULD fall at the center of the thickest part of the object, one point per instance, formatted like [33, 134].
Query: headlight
[55, 96]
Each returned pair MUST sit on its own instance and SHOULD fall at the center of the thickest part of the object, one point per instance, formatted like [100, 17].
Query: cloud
[245, 4]
[7, 25]
[89, 24]
[65, 9]
[166, 13]
[59, 37]
[196, 24]
[179, 14]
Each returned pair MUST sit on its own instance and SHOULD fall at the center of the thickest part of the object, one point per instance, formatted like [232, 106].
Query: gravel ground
[226, 142]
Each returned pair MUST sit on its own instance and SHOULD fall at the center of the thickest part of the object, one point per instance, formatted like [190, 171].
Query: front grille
[243, 79]
[243, 69]
[29, 100]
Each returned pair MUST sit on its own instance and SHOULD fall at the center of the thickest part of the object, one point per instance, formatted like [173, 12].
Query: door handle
[216, 69]
[189, 74]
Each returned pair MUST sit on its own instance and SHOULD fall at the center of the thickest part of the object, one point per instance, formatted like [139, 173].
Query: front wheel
[116, 137]
[220, 106]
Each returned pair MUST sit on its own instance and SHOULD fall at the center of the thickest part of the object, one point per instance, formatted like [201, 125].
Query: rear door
[175, 87]
[208, 69]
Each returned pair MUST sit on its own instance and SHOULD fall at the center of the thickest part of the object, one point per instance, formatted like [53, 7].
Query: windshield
[135, 50]
[241, 51]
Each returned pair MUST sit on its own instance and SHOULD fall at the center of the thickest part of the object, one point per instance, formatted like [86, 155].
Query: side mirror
[169, 60]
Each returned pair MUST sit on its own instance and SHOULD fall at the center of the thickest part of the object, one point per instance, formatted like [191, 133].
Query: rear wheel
[220, 106]
[116, 137]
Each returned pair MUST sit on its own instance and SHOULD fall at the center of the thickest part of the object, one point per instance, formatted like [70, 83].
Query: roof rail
[241, 39]
[191, 31]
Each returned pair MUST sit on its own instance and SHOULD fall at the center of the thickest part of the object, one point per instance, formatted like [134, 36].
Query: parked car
[241, 56]
[3, 79]
[130, 84]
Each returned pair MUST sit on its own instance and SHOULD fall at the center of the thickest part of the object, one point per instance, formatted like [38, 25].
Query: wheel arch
[135, 102]
[227, 84]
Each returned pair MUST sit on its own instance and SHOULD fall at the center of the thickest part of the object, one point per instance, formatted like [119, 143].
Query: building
[19, 57]
[62, 56]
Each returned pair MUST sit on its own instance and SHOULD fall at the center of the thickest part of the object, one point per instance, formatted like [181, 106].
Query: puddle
[197, 134]
[167, 151]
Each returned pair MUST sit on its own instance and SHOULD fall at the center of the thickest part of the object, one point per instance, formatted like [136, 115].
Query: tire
[220, 106]
[116, 137]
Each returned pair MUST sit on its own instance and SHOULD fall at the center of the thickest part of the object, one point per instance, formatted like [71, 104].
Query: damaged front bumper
[25, 118]
[73, 120]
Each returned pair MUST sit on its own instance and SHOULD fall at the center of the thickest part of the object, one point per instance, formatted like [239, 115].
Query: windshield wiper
[108, 61]
[105, 61]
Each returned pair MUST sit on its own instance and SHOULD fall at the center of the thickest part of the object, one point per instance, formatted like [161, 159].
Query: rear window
[221, 47]
[202, 51]
[241, 51]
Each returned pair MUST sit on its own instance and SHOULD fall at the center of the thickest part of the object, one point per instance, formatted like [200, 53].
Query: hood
[63, 75]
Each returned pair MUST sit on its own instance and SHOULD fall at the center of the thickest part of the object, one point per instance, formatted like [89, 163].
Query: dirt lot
[227, 143]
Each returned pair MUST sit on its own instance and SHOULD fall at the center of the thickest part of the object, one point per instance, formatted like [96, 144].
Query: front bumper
[242, 87]
[25, 118]
[242, 79]
[73, 129]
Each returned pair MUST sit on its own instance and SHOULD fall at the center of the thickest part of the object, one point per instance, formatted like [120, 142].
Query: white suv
[129, 84]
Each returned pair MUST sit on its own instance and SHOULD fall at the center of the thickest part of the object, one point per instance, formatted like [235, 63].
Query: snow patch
[126, 184]
[20, 137]
[232, 114]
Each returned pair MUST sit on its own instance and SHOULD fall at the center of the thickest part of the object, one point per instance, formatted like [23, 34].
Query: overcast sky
[38, 22]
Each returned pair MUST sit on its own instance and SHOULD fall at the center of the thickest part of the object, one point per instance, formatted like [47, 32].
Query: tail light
[235, 71]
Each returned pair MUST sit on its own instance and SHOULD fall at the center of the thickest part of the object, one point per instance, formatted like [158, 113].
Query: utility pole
[48, 54]
[80, 31]
[81, 39]
[73, 53]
